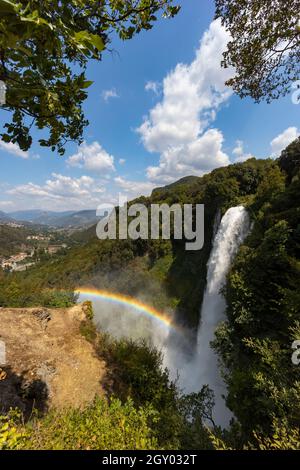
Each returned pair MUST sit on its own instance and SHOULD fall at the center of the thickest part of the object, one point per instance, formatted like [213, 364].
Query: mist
[190, 359]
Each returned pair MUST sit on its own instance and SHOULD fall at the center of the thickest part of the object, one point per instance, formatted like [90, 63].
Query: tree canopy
[44, 49]
[265, 46]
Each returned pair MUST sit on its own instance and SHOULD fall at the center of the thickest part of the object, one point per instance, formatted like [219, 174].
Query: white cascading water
[233, 229]
[193, 369]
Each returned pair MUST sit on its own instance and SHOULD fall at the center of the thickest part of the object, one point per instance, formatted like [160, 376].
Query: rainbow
[128, 301]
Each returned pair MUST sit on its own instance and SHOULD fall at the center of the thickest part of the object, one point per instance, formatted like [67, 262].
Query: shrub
[10, 435]
[111, 425]
[103, 425]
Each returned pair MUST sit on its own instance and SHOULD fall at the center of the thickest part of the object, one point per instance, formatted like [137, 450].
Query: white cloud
[192, 94]
[239, 153]
[239, 149]
[280, 142]
[14, 149]
[60, 192]
[195, 158]
[108, 94]
[6, 204]
[93, 158]
[122, 161]
[134, 188]
[153, 86]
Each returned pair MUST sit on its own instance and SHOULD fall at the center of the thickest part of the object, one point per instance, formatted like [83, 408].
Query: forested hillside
[12, 239]
[263, 311]
[174, 277]
[262, 293]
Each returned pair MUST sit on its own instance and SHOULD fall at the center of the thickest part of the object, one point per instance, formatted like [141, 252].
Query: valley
[161, 275]
[150, 232]
[24, 243]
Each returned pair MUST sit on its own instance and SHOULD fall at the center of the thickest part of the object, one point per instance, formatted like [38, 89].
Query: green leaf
[87, 83]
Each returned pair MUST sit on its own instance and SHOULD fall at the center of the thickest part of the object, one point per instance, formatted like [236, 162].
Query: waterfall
[193, 368]
[231, 232]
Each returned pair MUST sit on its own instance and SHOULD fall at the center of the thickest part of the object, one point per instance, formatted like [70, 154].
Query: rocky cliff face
[48, 362]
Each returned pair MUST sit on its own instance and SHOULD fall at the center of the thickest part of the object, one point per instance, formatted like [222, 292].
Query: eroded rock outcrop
[48, 362]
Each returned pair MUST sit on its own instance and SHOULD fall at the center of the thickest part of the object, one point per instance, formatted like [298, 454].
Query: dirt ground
[48, 362]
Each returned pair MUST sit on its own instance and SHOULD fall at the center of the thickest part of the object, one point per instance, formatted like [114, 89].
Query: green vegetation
[44, 52]
[263, 310]
[267, 63]
[173, 276]
[262, 294]
[282, 437]
[12, 239]
[138, 373]
[135, 371]
[101, 425]
[149, 413]
[10, 435]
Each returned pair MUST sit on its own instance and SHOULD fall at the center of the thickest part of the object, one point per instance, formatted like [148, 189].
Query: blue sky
[158, 110]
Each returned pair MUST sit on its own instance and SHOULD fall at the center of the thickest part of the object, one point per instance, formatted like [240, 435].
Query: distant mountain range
[66, 219]
[5, 217]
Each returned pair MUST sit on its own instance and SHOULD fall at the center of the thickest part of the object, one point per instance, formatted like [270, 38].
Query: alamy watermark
[296, 353]
[296, 93]
[2, 353]
[2, 93]
[152, 222]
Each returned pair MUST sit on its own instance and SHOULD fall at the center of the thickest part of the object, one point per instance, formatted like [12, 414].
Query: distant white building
[12, 262]
[37, 237]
